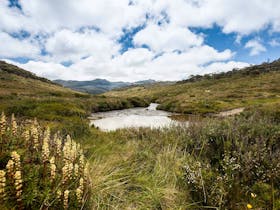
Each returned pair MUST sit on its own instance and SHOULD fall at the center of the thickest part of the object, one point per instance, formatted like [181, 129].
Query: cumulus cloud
[139, 64]
[86, 34]
[66, 45]
[255, 47]
[12, 47]
[110, 16]
[167, 38]
[238, 16]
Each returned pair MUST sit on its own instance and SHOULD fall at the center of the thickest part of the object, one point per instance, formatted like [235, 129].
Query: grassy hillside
[18, 82]
[214, 93]
[27, 95]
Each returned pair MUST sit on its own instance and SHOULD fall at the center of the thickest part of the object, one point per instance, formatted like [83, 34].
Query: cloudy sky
[132, 40]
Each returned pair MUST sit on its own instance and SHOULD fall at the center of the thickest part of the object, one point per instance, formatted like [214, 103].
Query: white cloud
[238, 16]
[66, 45]
[46, 69]
[12, 47]
[135, 57]
[140, 64]
[167, 38]
[112, 16]
[255, 47]
[64, 29]
[11, 18]
[218, 67]
[108, 15]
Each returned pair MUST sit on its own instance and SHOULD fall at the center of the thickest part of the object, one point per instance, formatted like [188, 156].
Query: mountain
[202, 94]
[98, 86]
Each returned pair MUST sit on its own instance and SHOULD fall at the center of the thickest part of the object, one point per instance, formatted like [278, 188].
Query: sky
[132, 40]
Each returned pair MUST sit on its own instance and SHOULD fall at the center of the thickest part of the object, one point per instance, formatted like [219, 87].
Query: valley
[209, 163]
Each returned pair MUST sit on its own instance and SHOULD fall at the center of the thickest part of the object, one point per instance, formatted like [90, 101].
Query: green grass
[212, 162]
[212, 94]
[29, 96]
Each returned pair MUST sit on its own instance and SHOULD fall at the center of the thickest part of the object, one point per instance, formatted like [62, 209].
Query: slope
[27, 95]
[252, 86]
[16, 81]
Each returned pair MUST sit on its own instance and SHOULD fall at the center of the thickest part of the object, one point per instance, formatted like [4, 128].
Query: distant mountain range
[98, 86]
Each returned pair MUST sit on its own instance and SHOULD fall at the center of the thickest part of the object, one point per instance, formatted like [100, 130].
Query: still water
[134, 117]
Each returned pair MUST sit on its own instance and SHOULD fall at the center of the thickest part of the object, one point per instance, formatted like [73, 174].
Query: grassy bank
[218, 164]
[68, 114]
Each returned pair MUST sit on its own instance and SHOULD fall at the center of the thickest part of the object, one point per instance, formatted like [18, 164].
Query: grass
[214, 163]
[29, 96]
[212, 94]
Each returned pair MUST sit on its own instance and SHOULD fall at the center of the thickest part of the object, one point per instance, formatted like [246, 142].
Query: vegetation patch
[40, 170]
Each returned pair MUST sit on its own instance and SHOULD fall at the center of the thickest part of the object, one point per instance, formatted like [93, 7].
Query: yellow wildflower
[76, 170]
[65, 200]
[58, 194]
[2, 183]
[249, 206]
[3, 123]
[35, 135]
[26, 135]
[45, 149]
[53, 168]
[14, 124]
[10, 166]
[79, 195]
[18, 184]
[16, 158]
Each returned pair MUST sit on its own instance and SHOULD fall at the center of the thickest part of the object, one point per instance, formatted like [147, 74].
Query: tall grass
[228, 163]
[212, 164]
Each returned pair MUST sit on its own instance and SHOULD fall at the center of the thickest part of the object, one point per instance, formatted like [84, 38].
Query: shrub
[232, 159]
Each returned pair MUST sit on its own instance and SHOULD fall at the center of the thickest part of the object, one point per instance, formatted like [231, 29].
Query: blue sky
[221, 41]
[139, 39]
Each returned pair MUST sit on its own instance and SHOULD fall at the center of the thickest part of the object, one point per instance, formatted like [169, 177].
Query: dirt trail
[230, 112]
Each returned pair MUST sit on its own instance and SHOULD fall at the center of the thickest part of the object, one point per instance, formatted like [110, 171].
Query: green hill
[255, 85]
[27, 95]
[16, 81]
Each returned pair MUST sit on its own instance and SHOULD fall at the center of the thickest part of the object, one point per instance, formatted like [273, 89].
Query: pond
[132, 118]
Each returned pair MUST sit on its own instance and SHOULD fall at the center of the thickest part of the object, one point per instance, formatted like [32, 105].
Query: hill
[27, 95]
[19, 82]
[213, 93]
[98, 86]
